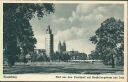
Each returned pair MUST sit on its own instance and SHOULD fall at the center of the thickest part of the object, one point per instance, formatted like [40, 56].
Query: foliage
[17, 31]
[109, 40]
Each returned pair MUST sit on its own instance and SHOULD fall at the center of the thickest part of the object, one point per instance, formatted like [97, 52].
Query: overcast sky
[74, 24]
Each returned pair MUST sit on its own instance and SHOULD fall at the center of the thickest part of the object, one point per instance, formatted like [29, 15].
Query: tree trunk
[113, 61]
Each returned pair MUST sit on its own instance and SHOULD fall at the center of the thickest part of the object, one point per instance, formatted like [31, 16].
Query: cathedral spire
[62, 46]
[48, 30]
[64, 43]
[59, 42]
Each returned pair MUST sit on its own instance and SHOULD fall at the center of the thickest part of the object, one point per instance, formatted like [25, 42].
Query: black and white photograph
[63, 38]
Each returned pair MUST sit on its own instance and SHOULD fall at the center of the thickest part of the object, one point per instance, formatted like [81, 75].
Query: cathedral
[62, 47]
[62, 54]
[49, 46]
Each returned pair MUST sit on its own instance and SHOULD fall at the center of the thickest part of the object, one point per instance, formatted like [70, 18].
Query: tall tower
[49, 42]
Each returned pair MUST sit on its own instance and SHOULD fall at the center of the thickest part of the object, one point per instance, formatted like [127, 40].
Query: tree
[95, 55]
[109, 41]
[17, 31]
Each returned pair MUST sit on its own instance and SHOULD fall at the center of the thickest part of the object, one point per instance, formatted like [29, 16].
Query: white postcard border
[52, 77]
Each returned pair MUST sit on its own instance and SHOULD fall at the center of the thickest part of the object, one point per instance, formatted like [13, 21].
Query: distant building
[61, 47]
[75, 55]
[49, 42]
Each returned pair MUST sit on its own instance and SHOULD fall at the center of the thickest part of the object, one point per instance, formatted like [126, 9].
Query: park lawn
[62, 67]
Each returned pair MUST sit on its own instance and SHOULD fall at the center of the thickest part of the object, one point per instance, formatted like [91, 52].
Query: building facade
[49, 38]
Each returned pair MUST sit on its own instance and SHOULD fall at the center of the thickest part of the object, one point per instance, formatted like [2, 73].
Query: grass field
[62, 67]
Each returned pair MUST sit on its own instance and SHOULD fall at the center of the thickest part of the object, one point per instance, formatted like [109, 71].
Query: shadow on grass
[54, 69]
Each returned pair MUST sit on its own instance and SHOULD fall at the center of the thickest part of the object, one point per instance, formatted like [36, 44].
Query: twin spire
[64, 44]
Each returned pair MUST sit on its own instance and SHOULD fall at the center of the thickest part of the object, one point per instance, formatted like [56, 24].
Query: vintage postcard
[63, 41]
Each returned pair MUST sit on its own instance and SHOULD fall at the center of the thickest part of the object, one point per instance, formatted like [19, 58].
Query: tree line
[56, 57]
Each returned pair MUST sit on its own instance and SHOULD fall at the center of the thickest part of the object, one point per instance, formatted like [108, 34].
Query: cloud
[69, 34]
[95, 13]
[81, 45]
[64, 10]
[40, 41]
[59, 24]
[72, 34]
[76, 24]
